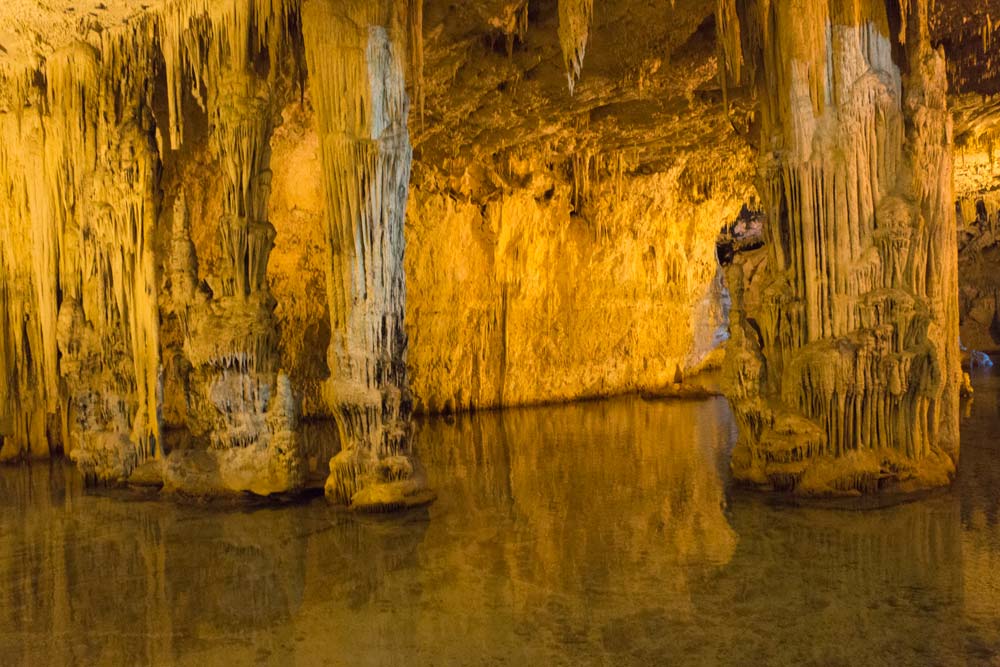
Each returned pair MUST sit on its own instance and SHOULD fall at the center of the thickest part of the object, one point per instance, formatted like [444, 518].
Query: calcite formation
[356, 55]
[225, 224]
[979, 288]
[83, 150]
[545, 304]
[79, 171]
[575, 18]
[844, 367]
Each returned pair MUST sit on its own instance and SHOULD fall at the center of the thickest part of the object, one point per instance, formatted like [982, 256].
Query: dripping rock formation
[844, 367]
[244, 242]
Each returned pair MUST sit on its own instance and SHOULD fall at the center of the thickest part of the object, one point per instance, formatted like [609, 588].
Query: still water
[597, 533]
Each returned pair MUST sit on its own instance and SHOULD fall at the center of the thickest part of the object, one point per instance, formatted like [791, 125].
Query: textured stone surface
[843, 369]
[572, 164]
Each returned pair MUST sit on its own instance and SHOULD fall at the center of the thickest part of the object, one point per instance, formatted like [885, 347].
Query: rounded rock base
[366, 484]
[855, 474]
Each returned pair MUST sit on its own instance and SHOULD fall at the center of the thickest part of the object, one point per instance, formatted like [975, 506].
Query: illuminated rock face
[559, 244]
[78, 342]
[589, 272]
[542, 299]
[843, 367]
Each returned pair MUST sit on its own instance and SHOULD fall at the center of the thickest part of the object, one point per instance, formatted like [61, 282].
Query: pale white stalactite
[575, 19]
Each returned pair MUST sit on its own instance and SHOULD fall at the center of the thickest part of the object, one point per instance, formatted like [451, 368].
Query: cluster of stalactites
[80, 166]
[575, 19]
[848, 338]
[242, 113]
[203, 39]
[230, 338]
[780, 46]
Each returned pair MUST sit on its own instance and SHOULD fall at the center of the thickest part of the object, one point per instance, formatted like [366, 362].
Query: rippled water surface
[598, 533]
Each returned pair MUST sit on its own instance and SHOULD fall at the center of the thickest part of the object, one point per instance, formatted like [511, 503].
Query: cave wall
[523, 299]
[626, 295]
[589, 268]
[969, 36]
[978, 261]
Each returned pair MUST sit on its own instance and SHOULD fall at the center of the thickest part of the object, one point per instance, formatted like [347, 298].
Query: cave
[499, 332]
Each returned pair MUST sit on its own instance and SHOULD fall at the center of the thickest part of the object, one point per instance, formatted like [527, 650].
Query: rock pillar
[355, 52]
[843, 369]
[238, 399]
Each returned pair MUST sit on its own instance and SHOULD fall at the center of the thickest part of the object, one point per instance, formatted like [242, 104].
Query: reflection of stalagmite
[355, 54]
[244, 574]
[844, 364]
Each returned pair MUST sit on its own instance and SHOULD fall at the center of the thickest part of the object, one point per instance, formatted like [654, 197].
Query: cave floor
[604, 532]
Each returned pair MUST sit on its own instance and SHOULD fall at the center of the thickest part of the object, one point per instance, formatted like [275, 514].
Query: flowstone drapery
[355, 53]
[80, 179]
[843, 368]
[79, 173]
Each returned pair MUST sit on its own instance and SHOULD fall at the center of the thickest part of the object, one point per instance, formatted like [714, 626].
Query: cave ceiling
[494, 79]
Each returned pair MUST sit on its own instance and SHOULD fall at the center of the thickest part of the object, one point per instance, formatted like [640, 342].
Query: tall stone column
[355, 52]
[108, 325]
[843, 369]
[239, 399]
[79, 336]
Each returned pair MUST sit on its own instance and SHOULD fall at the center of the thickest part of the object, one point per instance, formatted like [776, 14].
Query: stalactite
[84, 158]
[28, 391]
[198, 37]
[355, 54]
[237, 397]
[79, 173]
[575, 18]
[416, 20]
[843, 368]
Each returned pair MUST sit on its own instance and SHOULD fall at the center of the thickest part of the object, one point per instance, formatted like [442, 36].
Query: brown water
[598, 533]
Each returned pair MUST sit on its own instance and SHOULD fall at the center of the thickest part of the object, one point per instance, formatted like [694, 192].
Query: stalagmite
[843, 368]
[237, 397]
[355, 52]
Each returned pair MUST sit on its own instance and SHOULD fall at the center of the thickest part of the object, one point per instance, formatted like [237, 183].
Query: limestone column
[355, 53]
[843, 367]
[238, 400]
[97, 278]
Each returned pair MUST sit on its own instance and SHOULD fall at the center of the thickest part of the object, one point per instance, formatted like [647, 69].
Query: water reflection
[602, 532]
